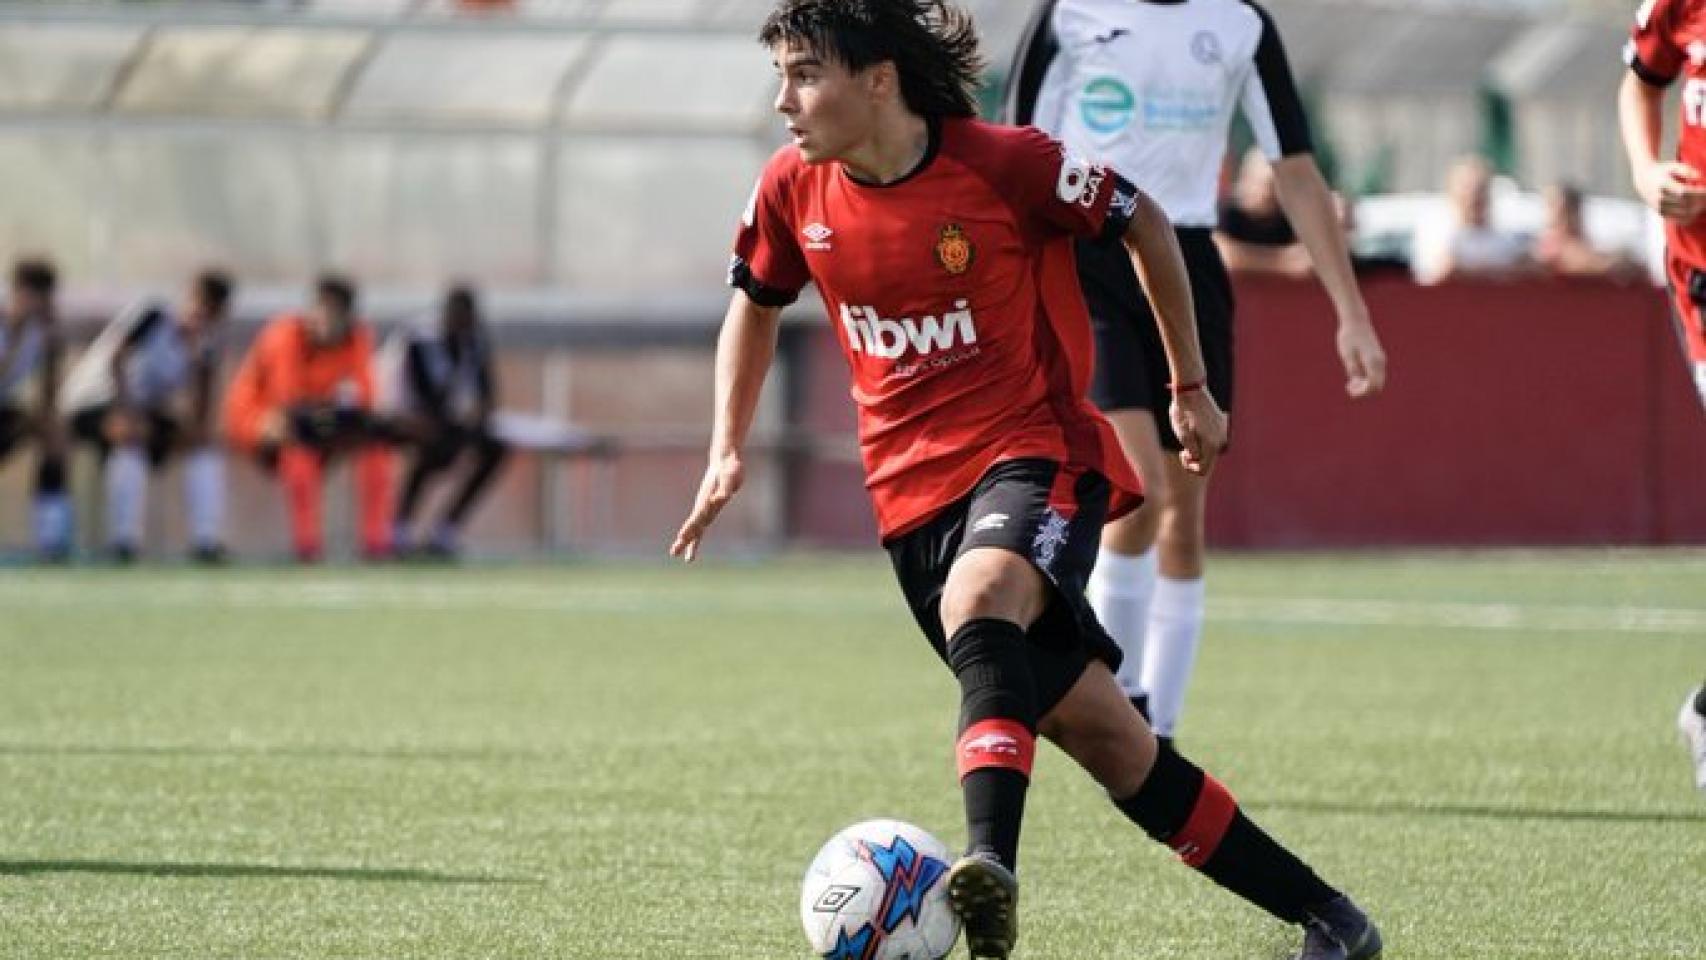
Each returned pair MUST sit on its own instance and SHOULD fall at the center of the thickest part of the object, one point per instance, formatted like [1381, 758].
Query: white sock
[1120, 590]
[1170, 653]
[204, 496]
[127, 495]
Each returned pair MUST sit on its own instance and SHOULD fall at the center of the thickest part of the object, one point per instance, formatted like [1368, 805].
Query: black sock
[1700, 701]
[998, 706]
[1186, 809]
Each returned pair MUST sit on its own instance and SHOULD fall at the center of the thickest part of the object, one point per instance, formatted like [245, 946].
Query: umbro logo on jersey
[817, 236]
[990, 521]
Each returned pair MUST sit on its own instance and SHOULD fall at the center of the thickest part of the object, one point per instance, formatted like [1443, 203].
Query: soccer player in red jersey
[942, 249]
[1669, 41]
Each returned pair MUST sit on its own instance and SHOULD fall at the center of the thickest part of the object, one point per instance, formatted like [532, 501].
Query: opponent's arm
[1673, 189]
[1197, 419]
[745, 348]
[1308, 205]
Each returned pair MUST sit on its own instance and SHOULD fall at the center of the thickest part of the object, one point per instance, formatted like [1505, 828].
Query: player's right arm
[768, 271]
[1154, 248]
[745, 349]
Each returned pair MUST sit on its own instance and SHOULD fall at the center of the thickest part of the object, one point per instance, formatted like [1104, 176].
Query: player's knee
[1002, 586]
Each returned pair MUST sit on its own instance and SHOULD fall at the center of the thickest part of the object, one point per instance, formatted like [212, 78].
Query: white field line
[687, 599]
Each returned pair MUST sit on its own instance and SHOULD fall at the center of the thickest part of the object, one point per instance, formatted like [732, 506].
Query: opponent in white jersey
[29, 364]
[143, 391]
[1149, 87]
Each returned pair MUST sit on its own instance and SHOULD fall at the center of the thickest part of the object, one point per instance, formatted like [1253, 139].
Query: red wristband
[1180, 389]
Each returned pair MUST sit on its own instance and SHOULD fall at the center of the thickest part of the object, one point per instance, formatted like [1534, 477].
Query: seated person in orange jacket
[304, 395]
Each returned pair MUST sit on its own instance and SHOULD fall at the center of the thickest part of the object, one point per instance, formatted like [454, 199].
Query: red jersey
[1668, 41]
[955, 298]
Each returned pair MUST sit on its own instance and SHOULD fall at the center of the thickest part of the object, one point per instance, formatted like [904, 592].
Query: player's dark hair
[932, 44]
[213, 288]
[35, 275]
[335, 289]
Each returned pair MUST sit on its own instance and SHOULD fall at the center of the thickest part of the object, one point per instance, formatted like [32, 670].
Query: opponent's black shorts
[1048, 515]
[1131, 364]
[89, 423]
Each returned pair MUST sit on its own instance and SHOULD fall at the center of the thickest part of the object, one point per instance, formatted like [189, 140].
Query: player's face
[830, 109]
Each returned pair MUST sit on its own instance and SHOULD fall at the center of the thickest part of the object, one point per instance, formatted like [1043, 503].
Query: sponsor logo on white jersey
[817, 236]
[989, 521]
[870, 332]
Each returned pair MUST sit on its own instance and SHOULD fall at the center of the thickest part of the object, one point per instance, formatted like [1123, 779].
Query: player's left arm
[1154, 248]
[1276, 116]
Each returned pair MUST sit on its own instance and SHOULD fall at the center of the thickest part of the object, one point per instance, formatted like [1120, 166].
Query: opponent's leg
[1176, 612]
[1178, 804]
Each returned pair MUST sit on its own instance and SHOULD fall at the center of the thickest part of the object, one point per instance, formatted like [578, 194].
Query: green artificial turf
[637, 761]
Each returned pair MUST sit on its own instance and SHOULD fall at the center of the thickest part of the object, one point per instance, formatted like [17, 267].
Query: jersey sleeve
[768, 263]
[1270, 100]
[1057, 192]
[1652, 52]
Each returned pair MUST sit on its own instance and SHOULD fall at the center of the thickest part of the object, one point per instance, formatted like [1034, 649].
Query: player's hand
[1364, 358]
[1675, 190]
[1201, 429]
[723, 478]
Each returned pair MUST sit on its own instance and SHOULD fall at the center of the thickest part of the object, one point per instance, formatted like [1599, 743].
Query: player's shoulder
[996, 147]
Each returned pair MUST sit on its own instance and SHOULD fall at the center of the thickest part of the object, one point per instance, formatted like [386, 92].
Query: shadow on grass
[1476, 811]
[240, 871]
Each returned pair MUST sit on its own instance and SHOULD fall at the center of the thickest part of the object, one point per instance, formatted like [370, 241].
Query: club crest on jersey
[954, 250]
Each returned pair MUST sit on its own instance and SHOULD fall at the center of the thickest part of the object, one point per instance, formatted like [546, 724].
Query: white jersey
[161, 360]
[26, 355]
[1149, 88]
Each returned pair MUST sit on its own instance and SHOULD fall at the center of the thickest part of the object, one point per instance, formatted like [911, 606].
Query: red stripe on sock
[1200, 837]
[1005, 744]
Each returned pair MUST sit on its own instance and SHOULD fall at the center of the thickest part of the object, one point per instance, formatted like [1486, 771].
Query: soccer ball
[878, 890]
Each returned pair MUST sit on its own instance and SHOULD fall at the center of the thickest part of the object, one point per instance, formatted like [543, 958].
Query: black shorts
[89, 426]
[1049, 516]
[1131, 365]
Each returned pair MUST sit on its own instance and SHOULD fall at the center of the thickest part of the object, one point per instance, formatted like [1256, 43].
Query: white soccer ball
[878, 890]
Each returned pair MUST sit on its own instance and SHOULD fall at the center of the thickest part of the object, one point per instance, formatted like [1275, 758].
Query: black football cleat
[985, 896]
[1339, 930]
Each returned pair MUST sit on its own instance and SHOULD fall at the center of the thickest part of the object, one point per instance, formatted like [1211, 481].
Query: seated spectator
[1563, 249]
[142, 392]
[1253, 234]
[303, 396]
[29, 355]
[1468, 244]
[448, 391]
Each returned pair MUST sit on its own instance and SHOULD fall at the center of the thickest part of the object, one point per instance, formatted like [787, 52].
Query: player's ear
[883, 80]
